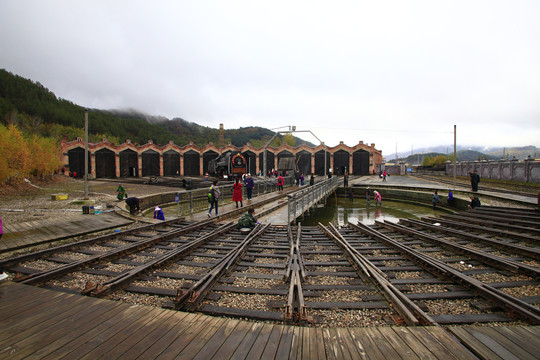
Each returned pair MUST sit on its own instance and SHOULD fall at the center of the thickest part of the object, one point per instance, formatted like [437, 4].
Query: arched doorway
[251, 162]
[191, 163]
[319, 162]
[361, 162]
[341, 162]
[269, 161]
[150, 163]
[171, 163]
[76, 161]
[105, 164]
[303, 161]
[129, 164]
[207, 157]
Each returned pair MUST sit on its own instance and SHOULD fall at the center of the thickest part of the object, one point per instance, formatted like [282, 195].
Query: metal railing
[304, 199]
[192, 201]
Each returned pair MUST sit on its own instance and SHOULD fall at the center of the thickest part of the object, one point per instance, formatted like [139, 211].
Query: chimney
[221, 135]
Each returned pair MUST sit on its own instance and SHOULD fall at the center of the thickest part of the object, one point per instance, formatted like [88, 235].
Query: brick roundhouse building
[107, 160]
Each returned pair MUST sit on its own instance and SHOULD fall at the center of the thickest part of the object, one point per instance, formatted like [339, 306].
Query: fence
[192, 201]
[304, 199]
[525, 171]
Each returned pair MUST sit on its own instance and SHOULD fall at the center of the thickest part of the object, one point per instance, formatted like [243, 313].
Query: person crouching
[247, 220]
[158, 213]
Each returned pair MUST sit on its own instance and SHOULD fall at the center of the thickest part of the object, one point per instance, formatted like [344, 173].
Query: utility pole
[85, 154]
[454, 157]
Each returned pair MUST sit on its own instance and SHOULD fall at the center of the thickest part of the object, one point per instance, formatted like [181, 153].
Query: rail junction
[406, 290]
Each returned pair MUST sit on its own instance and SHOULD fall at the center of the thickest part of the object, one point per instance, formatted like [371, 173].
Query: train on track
[229, 164]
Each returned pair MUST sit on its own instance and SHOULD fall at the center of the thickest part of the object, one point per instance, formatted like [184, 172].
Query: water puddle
[346, 211]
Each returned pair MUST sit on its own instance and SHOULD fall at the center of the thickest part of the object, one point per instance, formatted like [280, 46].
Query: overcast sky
[383, 72]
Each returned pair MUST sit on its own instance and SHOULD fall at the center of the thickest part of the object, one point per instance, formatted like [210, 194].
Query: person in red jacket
[237, 192]
[280, 183]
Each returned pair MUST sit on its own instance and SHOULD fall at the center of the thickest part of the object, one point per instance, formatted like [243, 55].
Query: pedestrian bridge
[303, 200]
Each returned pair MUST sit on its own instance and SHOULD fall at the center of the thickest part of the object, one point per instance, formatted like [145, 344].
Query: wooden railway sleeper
[122, 279]
[46, 275]
[506, 214]
[96, 240]
[501, 219]
[491, 230]
[495, 261]
[407, 309]
[510, 303]
[191, 298]
[495, 224]
[530, 252]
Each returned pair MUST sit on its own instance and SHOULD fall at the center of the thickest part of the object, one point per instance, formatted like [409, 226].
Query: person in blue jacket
[249, 186]
[158, 213]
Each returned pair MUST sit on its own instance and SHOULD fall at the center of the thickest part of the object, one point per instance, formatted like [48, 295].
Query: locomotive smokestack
[221, 135]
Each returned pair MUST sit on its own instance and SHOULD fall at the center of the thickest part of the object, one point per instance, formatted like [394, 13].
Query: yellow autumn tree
[45, 156]
[22, 156]
[13, 148]
[289, 140]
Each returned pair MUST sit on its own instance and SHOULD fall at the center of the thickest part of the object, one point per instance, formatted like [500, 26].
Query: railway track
[522, 190]
[419, 272]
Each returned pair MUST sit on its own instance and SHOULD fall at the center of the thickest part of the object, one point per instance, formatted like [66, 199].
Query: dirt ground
[30, 201]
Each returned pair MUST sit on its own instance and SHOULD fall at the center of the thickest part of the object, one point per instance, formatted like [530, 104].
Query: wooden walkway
[17, 236]
[44, 324]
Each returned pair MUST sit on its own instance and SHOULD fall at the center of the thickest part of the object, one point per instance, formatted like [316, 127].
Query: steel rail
[467, 184]
[40, 253]
[496, 224]
[530, 252]
[99, 289]
[501, 219]
[506, 214]
[190, 298]
[533, 212]
[409, 311]
[295, 274]
[46, 275]
[493, 231]
[508, 302]
[495, 261]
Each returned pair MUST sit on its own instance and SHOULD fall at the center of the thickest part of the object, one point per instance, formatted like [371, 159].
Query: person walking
[302, 179]
[367, 196]
[378, 197]
[475, 179]
[435, 199]
[120, 192]
[237, 192]
[134, 204]
[249, 186]
[158, 213]
[311, 180]
[384, 175]
[280, 182]
[346, 180]
[213, 197]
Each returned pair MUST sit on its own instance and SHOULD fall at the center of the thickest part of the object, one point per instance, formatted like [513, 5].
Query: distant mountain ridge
[39, 110]
[470, 153]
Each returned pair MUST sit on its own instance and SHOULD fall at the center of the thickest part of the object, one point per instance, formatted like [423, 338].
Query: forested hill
[36, 109]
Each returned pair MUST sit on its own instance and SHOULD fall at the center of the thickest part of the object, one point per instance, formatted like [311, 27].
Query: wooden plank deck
[30, 233]
[44, 324]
